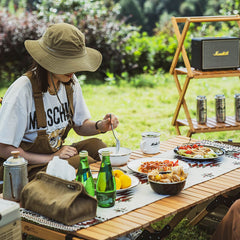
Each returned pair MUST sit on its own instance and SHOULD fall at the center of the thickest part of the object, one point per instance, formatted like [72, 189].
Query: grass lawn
[151, 109]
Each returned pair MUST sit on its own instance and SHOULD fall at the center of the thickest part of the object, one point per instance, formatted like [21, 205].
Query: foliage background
[134, 36]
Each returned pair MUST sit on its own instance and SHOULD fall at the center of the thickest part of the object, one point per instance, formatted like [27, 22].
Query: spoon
[117, 140]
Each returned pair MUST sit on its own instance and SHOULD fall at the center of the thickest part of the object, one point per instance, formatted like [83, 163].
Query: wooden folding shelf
[191, 73]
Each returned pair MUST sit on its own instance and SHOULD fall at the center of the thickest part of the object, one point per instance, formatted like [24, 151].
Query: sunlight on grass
[152, 109]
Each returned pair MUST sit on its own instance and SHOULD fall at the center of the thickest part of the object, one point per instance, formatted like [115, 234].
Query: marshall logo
[217, 53]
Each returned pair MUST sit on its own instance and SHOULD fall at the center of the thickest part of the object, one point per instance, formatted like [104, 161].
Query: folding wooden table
[143, 217]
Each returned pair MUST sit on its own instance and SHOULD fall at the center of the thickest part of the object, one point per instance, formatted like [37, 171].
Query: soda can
[201, 109]
[237, 106]
[220, 108]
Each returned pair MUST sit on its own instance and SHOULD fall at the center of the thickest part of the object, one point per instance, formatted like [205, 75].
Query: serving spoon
[117, 140]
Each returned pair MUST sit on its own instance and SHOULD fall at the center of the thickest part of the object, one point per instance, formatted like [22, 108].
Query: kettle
[15, 176]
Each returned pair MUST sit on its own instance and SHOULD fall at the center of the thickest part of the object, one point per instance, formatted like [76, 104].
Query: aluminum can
[220, 108]
[201, 109]
[237, 107]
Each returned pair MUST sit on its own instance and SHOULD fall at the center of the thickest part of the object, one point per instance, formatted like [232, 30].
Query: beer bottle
[106, 186]
[84, 174]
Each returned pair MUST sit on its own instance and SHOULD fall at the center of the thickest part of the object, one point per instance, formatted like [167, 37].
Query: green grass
[151, 109]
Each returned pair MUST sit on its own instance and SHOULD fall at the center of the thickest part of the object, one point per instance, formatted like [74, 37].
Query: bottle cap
[83, 153]
[106, 153]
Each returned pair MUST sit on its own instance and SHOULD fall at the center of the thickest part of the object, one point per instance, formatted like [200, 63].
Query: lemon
[126, 181]
[117, 173]
[118, 183]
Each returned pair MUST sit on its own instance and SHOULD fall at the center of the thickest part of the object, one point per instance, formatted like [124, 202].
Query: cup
[150, 143]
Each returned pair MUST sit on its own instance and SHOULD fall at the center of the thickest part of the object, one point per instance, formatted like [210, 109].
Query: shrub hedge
[126, 51]
[124, 48]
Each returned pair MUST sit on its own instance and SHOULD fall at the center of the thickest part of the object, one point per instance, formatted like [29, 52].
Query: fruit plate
[134, 181]
[135, 164]
[217, 151]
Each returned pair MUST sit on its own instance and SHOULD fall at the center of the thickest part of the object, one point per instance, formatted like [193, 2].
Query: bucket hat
[62, 50]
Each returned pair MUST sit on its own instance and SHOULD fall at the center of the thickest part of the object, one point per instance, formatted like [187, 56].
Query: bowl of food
[117, 159]
[170, 183]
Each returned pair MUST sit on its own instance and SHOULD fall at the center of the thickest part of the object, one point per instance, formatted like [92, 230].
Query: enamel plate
[135, 164]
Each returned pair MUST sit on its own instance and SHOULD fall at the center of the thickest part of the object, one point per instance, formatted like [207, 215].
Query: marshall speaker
[215, 53]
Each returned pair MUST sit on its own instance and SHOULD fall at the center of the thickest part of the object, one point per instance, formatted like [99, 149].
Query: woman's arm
[90, 127]
[35, 158]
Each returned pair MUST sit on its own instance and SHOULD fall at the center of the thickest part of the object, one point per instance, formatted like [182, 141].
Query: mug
[150, 143]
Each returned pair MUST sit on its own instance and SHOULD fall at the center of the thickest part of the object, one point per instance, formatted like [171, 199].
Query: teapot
[15, 176]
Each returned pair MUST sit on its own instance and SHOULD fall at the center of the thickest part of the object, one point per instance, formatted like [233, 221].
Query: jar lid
[151, 134]
[15, 160]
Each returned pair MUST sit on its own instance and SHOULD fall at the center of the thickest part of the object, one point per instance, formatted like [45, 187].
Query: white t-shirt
[18, 117]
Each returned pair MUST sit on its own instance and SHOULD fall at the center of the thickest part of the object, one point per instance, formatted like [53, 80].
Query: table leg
[221, 199]
[167, 229]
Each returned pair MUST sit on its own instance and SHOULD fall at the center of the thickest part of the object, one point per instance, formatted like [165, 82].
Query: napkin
[61, 168]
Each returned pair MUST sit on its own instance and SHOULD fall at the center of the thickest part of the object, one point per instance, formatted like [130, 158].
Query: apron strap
[69, 91]
[38, 100]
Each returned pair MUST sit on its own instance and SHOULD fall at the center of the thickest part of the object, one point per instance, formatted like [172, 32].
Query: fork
[117, 140]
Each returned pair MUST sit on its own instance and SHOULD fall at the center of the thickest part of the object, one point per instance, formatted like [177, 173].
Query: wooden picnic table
[141, 218]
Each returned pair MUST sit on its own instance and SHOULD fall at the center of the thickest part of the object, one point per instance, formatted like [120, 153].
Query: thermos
[15, 176]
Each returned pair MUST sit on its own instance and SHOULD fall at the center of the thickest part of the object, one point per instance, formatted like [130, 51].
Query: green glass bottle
[84, 174]
[106, 185]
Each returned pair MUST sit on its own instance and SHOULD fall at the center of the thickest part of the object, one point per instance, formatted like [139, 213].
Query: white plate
[135, 164]
[134, 180]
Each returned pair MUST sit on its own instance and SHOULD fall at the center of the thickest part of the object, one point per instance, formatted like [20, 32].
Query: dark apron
[41, 143]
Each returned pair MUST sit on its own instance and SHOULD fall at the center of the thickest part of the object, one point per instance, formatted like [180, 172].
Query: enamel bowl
[117, 159]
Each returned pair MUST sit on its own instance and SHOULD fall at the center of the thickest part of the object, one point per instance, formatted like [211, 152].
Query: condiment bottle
[106, 185]
[84, 174]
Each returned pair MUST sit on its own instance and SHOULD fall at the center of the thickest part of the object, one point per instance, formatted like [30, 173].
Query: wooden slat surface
[144, 216]
[209, 74]
[212, 125]
[42, 232]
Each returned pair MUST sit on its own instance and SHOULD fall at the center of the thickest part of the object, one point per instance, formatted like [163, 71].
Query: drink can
[201, 109]
[237, 106]
[220, 108]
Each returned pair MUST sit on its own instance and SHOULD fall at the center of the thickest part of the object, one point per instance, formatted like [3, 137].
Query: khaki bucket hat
[62, 50]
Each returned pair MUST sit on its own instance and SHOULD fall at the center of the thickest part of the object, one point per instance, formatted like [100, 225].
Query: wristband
[96, 126]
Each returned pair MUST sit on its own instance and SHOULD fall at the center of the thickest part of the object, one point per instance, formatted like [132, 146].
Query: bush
[14, 30]
[98, 21]
[126, 51]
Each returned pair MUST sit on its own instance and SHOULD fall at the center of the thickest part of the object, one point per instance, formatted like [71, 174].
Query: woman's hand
[66, 152]
[105, 124]
[90, 127]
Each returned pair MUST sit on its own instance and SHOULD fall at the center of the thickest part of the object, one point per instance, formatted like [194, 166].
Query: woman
[40, 107]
